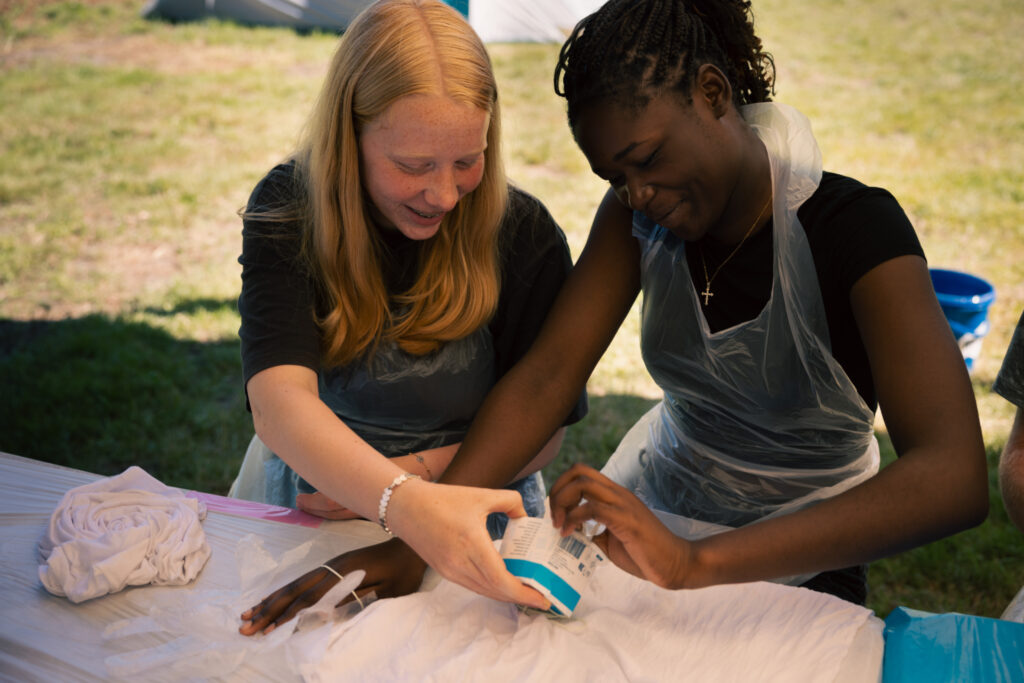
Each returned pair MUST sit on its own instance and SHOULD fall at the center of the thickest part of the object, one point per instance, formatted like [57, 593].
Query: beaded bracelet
[385, 498]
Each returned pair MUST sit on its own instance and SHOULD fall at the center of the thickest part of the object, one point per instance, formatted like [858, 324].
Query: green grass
[128, 145]
[101, 394]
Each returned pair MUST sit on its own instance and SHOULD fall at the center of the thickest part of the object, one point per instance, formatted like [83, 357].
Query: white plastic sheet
[46, 638]
[203, 628]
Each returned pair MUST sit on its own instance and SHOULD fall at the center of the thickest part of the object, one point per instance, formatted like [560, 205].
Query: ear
[714, 89]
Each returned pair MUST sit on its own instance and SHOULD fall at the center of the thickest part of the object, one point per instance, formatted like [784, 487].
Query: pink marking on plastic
[248, 508]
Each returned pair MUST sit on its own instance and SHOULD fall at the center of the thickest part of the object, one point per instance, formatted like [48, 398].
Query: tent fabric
[497, 21]
[519, 21]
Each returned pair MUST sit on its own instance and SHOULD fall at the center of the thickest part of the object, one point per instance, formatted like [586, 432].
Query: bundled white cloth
[127, 530]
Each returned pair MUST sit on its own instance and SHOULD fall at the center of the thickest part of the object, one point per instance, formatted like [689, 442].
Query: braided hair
[630, 50]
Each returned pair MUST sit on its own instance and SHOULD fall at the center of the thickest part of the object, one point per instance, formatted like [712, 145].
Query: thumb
[511, 503]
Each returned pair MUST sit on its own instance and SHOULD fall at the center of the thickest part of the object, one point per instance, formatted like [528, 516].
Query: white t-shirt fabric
[126, 530]
[624, 629]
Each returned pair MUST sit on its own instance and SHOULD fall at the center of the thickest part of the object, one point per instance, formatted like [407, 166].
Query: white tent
[497, 21]
[529, 21]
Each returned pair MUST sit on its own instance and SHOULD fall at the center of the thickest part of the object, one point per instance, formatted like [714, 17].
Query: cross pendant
[707, 293]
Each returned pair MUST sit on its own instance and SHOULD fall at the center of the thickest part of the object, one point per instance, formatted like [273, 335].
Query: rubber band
[340, 577]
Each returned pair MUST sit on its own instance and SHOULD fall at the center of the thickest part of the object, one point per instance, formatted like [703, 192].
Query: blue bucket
[965, 299]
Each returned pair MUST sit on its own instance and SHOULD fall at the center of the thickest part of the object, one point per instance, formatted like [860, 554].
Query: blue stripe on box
[560, 590]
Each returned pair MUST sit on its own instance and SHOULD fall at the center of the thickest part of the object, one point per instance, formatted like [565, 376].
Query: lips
[423, 219]
[664, 215]
[426, 215]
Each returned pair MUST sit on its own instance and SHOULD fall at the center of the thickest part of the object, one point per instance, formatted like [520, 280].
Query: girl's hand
[320, 505]
[634, 539]
[447, 526]
[392, 570]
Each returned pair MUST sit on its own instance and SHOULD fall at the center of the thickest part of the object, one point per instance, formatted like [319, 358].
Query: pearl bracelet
[385, 498]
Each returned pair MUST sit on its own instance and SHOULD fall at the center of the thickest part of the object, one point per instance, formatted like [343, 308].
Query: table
[47, 638]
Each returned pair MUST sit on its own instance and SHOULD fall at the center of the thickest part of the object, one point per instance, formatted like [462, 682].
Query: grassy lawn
[129, 145]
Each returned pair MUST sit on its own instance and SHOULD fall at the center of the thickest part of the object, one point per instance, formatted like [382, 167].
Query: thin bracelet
[430, 475]
[340, 577]
[385, 498]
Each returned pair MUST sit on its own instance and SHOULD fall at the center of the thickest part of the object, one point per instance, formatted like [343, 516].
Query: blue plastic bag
[920, 646]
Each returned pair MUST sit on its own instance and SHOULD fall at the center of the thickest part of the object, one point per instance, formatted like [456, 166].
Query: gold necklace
[707, 293]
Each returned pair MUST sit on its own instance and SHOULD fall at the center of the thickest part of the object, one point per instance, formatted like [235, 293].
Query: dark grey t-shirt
[1010, 381]
[401, 404]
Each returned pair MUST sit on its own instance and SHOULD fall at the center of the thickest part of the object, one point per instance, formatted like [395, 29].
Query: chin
[419, 232]
[687, 233]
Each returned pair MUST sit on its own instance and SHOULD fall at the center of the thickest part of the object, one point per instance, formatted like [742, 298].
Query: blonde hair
[393, 49]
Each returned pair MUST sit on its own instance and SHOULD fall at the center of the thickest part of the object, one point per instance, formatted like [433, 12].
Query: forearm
[532, 400]
[430, 463]
[546, 455]
[921, 497]
[508, 439]
[1011, 472]
[296, 425]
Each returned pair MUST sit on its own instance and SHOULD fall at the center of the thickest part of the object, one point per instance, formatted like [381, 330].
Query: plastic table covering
[47, 638]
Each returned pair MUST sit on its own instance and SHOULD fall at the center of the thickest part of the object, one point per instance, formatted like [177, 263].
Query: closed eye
[644, 163]
[413, 169]
[469, 163]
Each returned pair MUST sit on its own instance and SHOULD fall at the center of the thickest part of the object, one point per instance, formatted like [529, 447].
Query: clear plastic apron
[404, 404]
[759, 419]
[400, 403]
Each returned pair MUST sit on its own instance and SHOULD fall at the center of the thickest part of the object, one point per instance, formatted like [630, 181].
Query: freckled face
[671, 160]
[419, 158]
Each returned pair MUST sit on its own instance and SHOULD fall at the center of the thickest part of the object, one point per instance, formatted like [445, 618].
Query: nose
[443, 191]
[638, 194]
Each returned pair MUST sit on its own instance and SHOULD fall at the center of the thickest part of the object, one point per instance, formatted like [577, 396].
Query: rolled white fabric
[127, 530]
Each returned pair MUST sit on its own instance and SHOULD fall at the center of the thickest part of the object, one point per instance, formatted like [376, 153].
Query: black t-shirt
[279, 294]
[851, 228]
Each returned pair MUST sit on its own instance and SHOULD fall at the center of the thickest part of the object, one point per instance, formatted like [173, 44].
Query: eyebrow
[618, 157]
[412, 156]
[626, 150]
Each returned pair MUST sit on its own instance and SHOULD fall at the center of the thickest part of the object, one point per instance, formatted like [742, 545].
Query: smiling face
[419, 158]
[674, 161]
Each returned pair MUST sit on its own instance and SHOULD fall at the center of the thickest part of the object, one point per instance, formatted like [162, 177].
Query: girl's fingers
[269, 609]
[307, 599]
[580, 491]
[510, 588]
[508, 502]
[361, 592]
